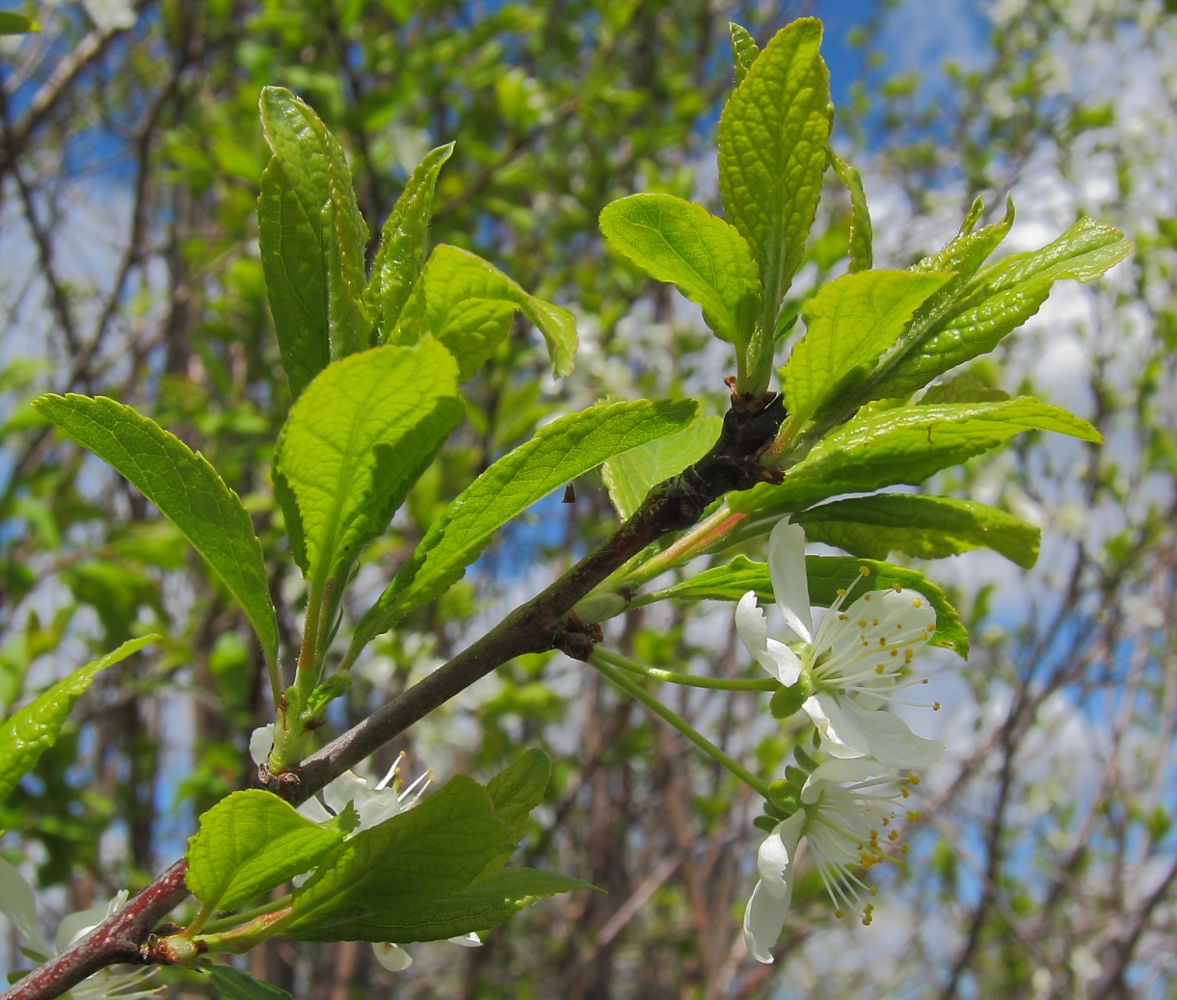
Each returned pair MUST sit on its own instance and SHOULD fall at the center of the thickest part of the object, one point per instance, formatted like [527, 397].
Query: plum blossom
[847, 820]
[852, 665]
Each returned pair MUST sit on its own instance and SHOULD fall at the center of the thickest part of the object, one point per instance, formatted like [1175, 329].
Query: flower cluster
[844, 674]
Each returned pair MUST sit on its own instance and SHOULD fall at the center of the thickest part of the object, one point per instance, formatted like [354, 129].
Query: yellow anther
[916, 602]
[842, 616]
[914, 815]
[899, 625]
[841, 591]
[903, 791]
[882, 640]
[913, 779]
[886, 821]
[864, 570]
[924, 681]
[935, 706]
[839, 914]
[874, 621]
[897, 588]
[862, 623]
[866, 597]
[894, 652]
[893, 836]
[904, 848]
[879, 668]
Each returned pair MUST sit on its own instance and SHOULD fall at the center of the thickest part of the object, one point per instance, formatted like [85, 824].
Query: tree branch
[545, 622]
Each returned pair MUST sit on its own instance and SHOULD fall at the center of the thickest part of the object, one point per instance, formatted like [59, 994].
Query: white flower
[852, 665]
[18, 903]
[843, 811]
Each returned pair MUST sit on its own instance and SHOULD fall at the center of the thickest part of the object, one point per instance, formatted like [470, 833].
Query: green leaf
[905, 445]
[705, 258]
[826, 575]
[861, 232]
[565, 449]
[407, 864]
[744, 51]
[773, 134]
[962, 389]
[467, 303]
[32, 730]
[480, 906]
[403, 244]
[519, 789]
[630, 475]
[1001, 298]
[355, 442]
[849, 324]
[312, 240]
[16, 24]
[233, 985]
[924, 527]
[185, 488]
[247, 844]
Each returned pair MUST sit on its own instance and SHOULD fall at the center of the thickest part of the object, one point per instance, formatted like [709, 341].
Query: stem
[238, 919]
[715, 527]
[687, 680]
[599, 663]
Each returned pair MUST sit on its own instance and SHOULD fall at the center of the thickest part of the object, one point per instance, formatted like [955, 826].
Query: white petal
[774, 860]
[790, 585]
[843, 771]
[376, 807]
[840, 737]
[261, 742]
[889, 739]
[77, 925]
[19, 904]
[313, 810]
[752, 628]
[764, 919]
[348, 787]
[471, 940]
[392, 956]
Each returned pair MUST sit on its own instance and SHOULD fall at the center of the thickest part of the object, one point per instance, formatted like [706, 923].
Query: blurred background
[1046, 865]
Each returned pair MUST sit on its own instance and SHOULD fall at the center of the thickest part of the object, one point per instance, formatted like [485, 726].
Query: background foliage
[130, 161]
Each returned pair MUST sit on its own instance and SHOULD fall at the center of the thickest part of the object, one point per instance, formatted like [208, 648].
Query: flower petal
[471, 940]
[775, 657]
[840, 736]
[19, 904]
[790, 585]
[313, 810]
[261, 742]
[348, 787]
[775, 858]
[392, 956]
[889, 740]
[764, 919]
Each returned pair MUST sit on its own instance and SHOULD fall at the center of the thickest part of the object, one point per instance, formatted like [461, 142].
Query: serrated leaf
[744, 51]
[702, 256]
[565, 449]
[962, 389]
[1001, 298]
[904, 445]
[920, 526]
[233, 985]
[467, 303]
[630, 475]
[355, 442]
[403, 244]
[407, 864]
[32, 730]
[826, 575]
[312, 240]
[861, 251]
[519, 789]
[247, 844]
[185, 489]
[849, 325]
[773, 134]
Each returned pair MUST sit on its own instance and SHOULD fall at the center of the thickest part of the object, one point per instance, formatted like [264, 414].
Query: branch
[543, 623]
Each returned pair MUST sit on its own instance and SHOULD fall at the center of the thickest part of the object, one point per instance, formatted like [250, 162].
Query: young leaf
[744, 51]
[411, 862]
[705, 258]
[312, 240]
[12, 23]
[905, 445]
[861, 232]
[630, 475]
[826, 575]
[247, 844]
[565, 449]
[403, 244]
[467, 303]
[924, 527]
[519, 789]
[32, 730]
[849, 324]
[355, 442]
[185, 488]
[773, 135]
[233, 985]
[1001, 298]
